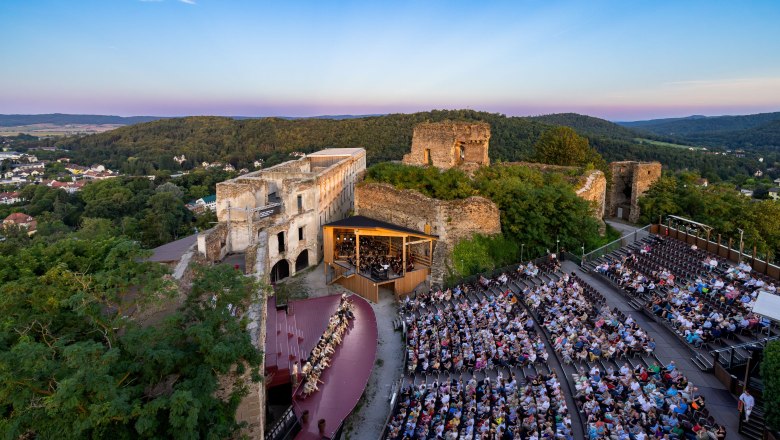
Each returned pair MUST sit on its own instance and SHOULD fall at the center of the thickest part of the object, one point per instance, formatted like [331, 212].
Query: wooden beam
[357, 252]
[419, 241]
[403, 249]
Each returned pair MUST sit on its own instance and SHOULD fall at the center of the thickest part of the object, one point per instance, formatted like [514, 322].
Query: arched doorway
[280, 271]
[302, 262]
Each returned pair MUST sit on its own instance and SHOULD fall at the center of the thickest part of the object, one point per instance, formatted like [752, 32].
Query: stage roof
[359, 221]
[768, 305]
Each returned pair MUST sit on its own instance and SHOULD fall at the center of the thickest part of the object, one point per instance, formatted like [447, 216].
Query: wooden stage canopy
[404, 249]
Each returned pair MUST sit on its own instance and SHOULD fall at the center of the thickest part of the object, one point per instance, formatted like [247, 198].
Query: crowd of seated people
[422, 299]
[581, 330]
[642, 403]
[376, 260]
[700, 308]
[412, 303]
[321, 354]
[472, 336]
[504, 408]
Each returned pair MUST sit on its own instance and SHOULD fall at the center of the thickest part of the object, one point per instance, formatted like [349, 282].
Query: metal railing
[725, 356]
[285, 428]
[625, 240]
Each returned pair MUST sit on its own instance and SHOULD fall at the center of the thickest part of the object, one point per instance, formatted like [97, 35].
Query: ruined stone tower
[629, 181]
[450, 144]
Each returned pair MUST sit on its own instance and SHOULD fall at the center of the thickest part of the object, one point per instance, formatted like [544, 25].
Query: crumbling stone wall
[212, 243]
[450, 144]
[451, 220]
[594, 190]
[250, 259]
[630, 180]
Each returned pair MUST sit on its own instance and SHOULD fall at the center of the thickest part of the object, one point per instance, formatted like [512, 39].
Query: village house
[69, 187]
[203, 203]
[9, 198]
[22, 220]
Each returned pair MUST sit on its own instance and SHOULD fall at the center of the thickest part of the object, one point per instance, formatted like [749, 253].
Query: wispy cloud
[189, 2]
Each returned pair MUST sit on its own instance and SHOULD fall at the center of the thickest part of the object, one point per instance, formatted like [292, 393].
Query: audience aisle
[720, 402]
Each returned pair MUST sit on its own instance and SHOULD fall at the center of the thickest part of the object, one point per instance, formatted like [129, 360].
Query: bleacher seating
[705, 300]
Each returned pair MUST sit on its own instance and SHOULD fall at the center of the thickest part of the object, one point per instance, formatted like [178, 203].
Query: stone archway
[280, 271]
[302, 262]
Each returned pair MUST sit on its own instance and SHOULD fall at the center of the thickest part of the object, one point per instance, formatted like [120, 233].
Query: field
[57, 130]
[666, 144]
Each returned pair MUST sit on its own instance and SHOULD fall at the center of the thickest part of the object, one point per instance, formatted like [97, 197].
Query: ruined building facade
[449, 145]
[630, 180]
[275, 216]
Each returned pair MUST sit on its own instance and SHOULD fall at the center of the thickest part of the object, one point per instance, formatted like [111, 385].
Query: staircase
[283, 349]
[703, 362]
[754, 429]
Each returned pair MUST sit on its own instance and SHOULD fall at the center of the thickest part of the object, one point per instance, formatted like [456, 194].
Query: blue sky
[614, 59]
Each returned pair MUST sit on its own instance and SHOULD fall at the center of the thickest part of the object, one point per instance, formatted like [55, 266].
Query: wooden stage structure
[412, 252]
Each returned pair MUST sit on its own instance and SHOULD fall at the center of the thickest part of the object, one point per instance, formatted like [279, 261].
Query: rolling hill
[759, 131]
[65, 119]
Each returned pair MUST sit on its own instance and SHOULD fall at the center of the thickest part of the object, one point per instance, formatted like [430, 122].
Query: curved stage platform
[346, 378]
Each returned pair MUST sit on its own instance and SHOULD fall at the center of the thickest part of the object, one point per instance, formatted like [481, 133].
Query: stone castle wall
[449, 144]
[594, 190]
[450, 220]
[213, 242]
[630, 180]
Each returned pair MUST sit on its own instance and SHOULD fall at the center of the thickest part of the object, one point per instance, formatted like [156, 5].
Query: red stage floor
[348, 374]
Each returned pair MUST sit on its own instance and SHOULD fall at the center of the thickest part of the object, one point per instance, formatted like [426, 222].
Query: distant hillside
[63, 119]
[746, 131]
[587, 125]
[149, 147]
[143, 148]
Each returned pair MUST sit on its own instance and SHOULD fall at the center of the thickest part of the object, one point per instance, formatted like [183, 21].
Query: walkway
[368, 420]
[721, 404]
[624, 228]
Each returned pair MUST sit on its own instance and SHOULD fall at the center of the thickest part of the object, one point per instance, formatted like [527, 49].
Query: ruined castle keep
[449, 145]
[630, 180]
[275, 216]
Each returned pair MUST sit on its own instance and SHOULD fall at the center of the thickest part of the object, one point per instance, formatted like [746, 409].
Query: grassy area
[665, 144]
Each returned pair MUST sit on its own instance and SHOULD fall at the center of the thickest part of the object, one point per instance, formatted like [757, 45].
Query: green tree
[75, 361]
[770, 373]
[563, 146]
[170, 187]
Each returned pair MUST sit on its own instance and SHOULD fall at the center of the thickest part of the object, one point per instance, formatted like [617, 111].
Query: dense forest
[745, 131]
[144, 148]
[74, 366]
[149, 148]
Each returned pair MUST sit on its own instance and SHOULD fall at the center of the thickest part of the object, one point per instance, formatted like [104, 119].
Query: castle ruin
[447, 145]
[275, 216]
[630, 180]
